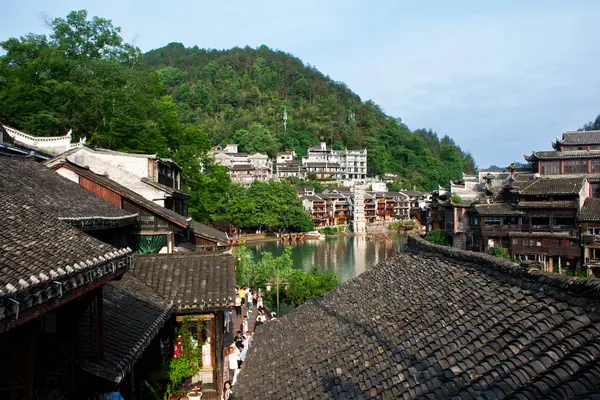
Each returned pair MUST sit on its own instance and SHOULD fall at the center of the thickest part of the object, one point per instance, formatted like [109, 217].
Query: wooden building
[158, 227]
[52, 271]
[200, 286]
[589, 219]
[576, 153]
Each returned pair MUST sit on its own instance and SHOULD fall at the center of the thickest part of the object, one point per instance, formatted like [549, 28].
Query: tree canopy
[177, 102]
[240, 96]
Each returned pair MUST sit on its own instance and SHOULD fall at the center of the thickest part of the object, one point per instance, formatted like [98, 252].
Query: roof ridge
[560, 287]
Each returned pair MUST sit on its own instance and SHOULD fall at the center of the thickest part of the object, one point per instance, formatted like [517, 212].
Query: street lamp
[278, 281]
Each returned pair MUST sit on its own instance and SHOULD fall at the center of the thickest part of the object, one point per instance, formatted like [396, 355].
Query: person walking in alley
[227, 391]
[227, 322]
[249, 299]
[238, 305]
[244, 324]
[242, 294]
[234, 358]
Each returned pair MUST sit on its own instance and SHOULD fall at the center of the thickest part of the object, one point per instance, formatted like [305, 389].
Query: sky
[502, 78]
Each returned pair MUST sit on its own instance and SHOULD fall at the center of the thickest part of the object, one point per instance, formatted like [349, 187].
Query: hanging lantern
[269, 285]
[285, 285]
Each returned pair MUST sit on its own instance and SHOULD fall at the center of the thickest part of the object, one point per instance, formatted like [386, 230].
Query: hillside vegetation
[178, 102]
[240, 95]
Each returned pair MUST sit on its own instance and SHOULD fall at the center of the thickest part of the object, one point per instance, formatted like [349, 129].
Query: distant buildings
[243, 168]
[338, 206]
[321, 162]
[548, 212]
[325, 162]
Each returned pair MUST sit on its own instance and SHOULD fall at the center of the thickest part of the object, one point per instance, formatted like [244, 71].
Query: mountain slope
[241, 95]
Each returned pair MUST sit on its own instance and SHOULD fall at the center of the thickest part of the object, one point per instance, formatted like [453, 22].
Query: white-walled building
[336, 164]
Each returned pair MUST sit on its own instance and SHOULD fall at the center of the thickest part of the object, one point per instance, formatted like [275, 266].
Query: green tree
[437, 236]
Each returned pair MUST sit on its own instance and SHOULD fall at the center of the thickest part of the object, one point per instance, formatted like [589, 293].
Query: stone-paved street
[233, 328]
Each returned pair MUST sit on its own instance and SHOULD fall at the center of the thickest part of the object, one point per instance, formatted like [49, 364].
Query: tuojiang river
[346, 256]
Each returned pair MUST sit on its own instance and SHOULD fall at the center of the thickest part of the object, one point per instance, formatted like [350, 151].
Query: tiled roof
[547, 204]
[198, 228]
[132, 315]
[497, 209]
[42, 258]
[322, 165]
[438, 326]
[194, 281]
[581, 137]
[413, 193]
[558, 186]
[242, 167]
[35, 184]
[562, 155]
[590, 211]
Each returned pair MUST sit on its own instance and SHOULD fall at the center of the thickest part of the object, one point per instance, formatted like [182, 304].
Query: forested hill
[241, 95]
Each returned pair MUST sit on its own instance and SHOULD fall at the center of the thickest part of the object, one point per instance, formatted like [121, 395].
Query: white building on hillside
[339, 164]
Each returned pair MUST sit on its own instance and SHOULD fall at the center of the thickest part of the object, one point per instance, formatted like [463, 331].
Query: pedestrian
[238, 305]
[259, 302]
[227, 322]
[244, 350]
[238, 338]
[254, 298]
[249, 338]
[233, 364]
[227, 390]
[242, 294]
[244, 324]
[250, 301]
[260, 319]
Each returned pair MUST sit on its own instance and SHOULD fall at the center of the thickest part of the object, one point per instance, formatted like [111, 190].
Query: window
[563, 221]
[515, 241]
[492, 220]
[475, 221]
[536, 221]
[551, 168]
[593, 231]
[576, 167]
[596, 166]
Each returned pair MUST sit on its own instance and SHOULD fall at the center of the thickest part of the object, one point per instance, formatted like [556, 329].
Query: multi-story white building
[337, 164]
[243, 167]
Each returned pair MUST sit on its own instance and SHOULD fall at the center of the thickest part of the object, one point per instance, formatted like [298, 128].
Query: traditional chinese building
[201, 287]
[158, 228]
[52, 271]
[589, 219]
[576, 153]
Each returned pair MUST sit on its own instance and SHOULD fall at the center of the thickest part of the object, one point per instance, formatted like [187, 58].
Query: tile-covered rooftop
[439, 323]
[193, 281]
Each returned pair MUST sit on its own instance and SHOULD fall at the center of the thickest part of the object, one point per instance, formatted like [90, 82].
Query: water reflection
[345, 256]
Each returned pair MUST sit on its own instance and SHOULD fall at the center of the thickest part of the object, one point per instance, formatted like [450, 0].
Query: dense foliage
[302, 285]
[178, 102]
[266, 205]
[437, 236]
[240, 95]
[592, 125]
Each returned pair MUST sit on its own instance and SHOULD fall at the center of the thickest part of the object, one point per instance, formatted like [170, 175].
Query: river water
[346, 256]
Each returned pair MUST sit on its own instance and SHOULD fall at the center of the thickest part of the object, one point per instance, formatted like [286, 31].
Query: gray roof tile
[193, 281]
[489, 335]
[133, 314]
[590, 212]
[39, 186]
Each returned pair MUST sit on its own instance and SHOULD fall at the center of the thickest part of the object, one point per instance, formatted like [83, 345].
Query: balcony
[546, 251]
[504, 228]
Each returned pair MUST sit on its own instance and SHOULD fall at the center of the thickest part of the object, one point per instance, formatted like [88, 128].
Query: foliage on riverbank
[437, 236]
[269, 205]
[302, 286]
